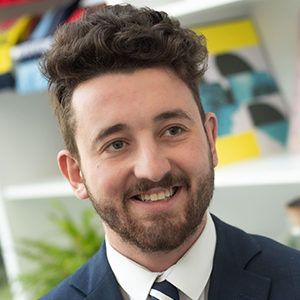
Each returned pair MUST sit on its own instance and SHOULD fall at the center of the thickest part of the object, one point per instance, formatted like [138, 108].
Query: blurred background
[252, 85]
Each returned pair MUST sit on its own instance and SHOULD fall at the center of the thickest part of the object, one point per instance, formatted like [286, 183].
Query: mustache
[169, 180]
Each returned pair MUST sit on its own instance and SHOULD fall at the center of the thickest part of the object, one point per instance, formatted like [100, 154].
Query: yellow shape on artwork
[235, 148]
[225, 37]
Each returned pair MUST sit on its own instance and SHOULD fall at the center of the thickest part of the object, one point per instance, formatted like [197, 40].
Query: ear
[211, 127]
[70, 168]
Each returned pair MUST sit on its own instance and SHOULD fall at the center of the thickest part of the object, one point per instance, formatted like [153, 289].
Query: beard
[163, 231]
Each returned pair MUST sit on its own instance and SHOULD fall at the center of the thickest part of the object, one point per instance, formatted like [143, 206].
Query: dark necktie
[164, 291]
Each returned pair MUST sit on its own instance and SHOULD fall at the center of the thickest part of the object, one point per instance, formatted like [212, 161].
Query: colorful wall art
[239, 89]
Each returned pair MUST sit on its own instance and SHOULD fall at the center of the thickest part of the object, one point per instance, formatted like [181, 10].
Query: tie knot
[164, 290]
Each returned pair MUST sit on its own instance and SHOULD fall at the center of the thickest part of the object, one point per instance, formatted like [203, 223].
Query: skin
[161, 133]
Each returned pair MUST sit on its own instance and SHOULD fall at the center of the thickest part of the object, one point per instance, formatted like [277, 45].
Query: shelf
[283, 168]
[278, 169]
[55, 187]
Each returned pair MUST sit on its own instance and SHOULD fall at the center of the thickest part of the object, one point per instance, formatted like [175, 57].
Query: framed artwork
[239, 89]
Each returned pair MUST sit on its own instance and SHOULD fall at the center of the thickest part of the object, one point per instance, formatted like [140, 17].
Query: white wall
[30, 138]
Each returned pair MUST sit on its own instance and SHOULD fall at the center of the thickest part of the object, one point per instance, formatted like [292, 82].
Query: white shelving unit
[55, 187]
[250, 194]
[279, 169]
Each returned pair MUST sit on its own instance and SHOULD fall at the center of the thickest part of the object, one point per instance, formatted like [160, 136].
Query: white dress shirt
[190, 274]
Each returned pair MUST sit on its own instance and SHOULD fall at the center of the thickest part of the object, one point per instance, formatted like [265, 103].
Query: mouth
[163, 195]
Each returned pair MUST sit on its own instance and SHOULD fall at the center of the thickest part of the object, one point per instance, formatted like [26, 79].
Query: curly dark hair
[120, 38]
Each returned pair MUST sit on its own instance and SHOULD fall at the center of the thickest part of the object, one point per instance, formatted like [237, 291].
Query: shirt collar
[130, 275]
[197, 263]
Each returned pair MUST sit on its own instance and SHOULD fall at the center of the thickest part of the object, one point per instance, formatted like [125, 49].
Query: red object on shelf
[14, 2]
[75, 15]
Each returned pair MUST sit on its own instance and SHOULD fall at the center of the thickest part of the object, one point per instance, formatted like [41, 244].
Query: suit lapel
[96, 279]
[230, 278]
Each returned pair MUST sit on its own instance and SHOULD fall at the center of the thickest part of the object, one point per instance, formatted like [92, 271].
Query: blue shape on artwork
[277, 130]
[264, 84]
[224, 116]
[214, 99]
[247, 86]
[213, 96]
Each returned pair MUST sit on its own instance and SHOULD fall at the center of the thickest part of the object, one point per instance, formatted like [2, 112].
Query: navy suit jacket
[246, 267]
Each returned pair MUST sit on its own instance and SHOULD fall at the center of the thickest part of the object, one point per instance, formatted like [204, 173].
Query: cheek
[194, 158]
[107, 180]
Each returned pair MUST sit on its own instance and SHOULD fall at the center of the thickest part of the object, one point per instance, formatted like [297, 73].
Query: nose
[151, 163]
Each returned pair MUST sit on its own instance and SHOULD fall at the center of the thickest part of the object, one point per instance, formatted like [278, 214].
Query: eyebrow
[105, 132]
[172, 114]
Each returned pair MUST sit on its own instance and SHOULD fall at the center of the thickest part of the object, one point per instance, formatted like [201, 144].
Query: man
[124, 84]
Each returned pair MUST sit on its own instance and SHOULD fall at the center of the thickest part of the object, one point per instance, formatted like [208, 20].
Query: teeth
[153, 197]
[157, 196]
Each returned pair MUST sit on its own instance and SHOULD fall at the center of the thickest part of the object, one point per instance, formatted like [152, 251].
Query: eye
[115, 146]
[174, 130]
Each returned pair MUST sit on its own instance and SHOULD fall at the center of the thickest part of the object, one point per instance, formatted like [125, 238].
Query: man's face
[146, 161]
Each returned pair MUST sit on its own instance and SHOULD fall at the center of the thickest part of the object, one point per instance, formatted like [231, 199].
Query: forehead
[129, 97]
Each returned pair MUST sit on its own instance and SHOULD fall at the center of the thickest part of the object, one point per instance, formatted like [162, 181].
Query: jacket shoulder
[280, 263]
[252, 249]
[275, 256]
[261, 256]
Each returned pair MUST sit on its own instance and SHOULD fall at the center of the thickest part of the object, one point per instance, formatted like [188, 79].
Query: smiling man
[146, 161]
[124, 84]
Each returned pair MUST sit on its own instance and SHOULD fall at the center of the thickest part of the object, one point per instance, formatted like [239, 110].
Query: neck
[153, 261]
